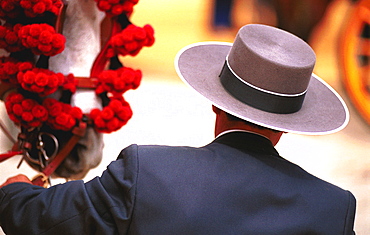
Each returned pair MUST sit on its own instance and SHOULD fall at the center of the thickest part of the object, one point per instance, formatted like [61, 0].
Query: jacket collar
[247, 141]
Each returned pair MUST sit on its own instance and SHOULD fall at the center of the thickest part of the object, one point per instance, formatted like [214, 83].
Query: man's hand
[15, 179]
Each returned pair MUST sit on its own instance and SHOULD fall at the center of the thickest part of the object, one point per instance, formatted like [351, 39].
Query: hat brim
[323, 110]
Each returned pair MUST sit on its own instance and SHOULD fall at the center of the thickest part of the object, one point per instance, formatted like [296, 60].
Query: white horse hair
[82, 31]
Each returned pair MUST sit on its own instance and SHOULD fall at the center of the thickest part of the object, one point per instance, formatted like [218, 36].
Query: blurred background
[168, 112]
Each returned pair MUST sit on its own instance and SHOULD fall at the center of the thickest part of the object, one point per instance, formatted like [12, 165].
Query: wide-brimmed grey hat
[264, 77]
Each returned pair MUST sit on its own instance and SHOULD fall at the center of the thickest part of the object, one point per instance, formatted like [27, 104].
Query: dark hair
[233, 118]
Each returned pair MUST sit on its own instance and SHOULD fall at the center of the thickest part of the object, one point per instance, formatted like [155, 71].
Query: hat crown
[272, 59]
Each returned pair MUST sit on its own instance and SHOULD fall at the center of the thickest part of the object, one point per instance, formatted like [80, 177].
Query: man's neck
[224, 124]
[239, 130]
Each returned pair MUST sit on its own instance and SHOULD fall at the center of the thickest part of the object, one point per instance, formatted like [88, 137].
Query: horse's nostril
[81, 146]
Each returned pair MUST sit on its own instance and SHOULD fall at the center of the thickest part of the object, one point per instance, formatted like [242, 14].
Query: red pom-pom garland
[112, 117]
[41, 39]
[9, 39]
[9, 69]
[62, 116]
[131, 40]
[29, 8]
[41, 81]
[26, 112]
[31, 106]
[34, 8]
[117, 7]
[118, 81]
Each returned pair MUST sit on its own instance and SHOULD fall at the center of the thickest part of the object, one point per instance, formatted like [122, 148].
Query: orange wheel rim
[355, 58]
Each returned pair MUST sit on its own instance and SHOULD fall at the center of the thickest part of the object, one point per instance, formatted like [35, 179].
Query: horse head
[68, 78]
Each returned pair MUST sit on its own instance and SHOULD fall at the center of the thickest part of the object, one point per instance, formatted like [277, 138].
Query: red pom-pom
[9, 39]
[131, 40]
[62, 116]
[53, 106]
[125, 113]
[17, 109]
[99, 124]
[15, 98]
[9, 69]
[34, 8]
[70, 83]
[9, 8]
[116, 7]
[40, 112]
[26, 112]
[94, 113]
[64, 122]
[27, 116]
[107, 113]
[76, 113]
[118, 81]
[42, 39]
[26, 4]
[113, 125]
[39, 8]
[112, 117]
[27, 104]
[41, 81]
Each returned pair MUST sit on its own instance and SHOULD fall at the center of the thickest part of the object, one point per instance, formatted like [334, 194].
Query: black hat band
[258, 98]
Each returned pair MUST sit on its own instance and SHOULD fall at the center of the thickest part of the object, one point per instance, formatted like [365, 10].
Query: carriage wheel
[355, 58]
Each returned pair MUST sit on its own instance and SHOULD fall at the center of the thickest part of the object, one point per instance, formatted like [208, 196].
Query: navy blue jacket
[238, 184]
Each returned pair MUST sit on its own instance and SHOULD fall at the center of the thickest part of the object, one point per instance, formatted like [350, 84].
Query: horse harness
[32, 142]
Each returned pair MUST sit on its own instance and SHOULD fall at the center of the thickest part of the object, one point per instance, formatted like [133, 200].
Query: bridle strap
[101, 60]
[42, 178]
[9, 154]
[86, 82]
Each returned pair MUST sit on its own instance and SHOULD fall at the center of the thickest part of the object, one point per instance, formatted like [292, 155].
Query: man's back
[233, 188]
